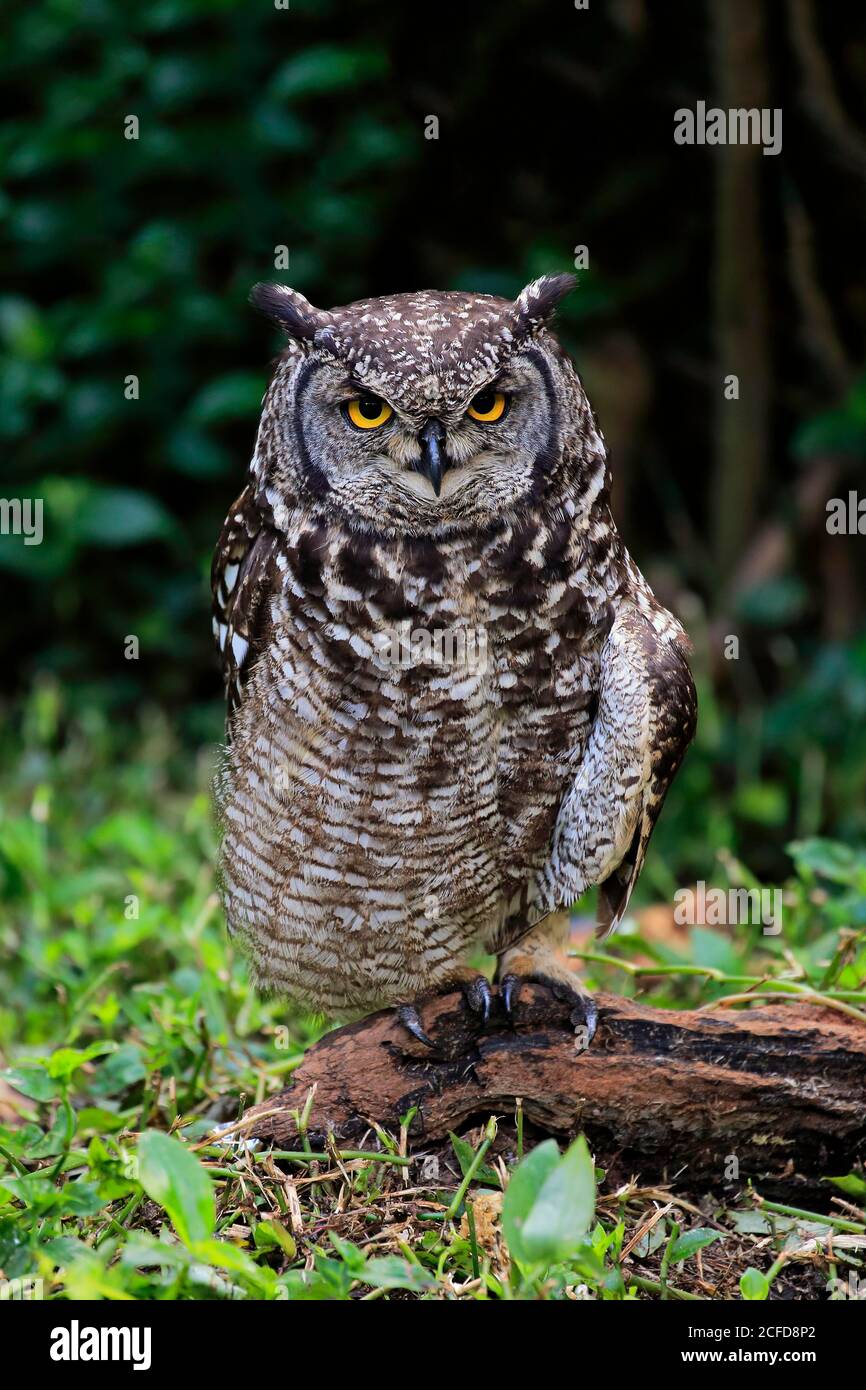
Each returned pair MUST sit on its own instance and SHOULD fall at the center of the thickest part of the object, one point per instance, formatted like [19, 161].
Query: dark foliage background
[262, 127]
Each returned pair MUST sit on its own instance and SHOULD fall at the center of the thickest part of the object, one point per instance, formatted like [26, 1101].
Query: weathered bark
[782, 1089]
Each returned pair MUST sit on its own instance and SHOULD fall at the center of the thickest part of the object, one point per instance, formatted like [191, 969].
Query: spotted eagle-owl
[455, 703]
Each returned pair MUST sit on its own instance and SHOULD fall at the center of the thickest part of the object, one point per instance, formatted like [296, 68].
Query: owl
[454, 702]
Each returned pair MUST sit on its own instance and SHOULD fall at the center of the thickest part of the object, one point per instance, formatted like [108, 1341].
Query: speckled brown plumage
[381, 817]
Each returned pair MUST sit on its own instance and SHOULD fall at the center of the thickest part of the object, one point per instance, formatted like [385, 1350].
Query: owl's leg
[476, 991]
[534, 958]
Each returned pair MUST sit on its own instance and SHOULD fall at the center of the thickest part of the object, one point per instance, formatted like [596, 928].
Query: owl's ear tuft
[536, 303]
[294, 314]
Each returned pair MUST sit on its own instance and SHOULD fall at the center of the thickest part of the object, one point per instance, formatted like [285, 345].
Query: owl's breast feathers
[380, 784]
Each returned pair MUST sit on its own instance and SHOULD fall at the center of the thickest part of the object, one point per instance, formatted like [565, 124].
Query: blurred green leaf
[830, 859]
[328, 68]
[765, 803]
[23, 329]
[122, 516]
[62, 1063]
[237, 395]
[33, 1081]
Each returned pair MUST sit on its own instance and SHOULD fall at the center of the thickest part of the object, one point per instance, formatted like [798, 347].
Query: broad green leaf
[562, 1212]
[690, 1242]
[754, 1223]
[144, 1249]
[66, 1060]
[174, 1178]
[272, 1234]
[87, 1280]
[55, 1140]
[829, 859]
[852, 1183]
[350, 1254]
[221, 1254]
[523, 1187]
[390, 1272]
[94, 1119]
[466, 1157]
[79, 1198]
[32, 1081]
[754, 1285]
[122, 1069]
[651, 1240]
[302, 1285]
[17, 1256]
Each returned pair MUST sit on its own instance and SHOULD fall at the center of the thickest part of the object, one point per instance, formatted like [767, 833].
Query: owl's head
[421, 413]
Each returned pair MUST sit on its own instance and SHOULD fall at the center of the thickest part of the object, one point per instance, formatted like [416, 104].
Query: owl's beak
[432, 463]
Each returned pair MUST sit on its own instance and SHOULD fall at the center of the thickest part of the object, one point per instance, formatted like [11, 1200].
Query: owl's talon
[585, 1015]
[506, 989]
[584, 1010]
[479, 997]
[407, 1014]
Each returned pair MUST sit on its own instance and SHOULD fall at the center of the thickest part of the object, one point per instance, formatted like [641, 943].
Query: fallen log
[781, 1090]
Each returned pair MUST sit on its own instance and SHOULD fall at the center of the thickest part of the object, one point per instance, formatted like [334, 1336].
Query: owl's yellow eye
[487, 406]
[368, 412]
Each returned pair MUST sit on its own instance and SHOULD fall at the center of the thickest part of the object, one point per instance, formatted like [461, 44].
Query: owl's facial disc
[387, 462]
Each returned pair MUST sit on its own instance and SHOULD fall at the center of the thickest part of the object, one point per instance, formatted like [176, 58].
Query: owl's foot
[584, 1010]
[544, 968]
[476, 991]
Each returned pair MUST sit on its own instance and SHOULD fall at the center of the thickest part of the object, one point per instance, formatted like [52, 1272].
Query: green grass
[130, 1034]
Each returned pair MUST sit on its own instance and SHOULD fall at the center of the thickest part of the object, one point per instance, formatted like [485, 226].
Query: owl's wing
[672, 709]
[243, 577]
[646, 717]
